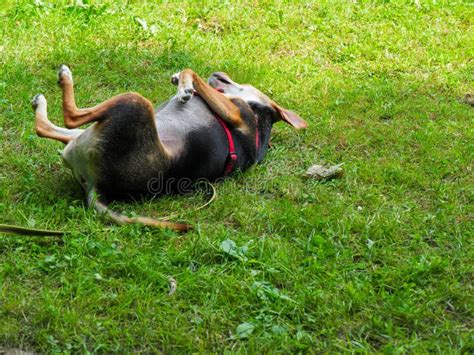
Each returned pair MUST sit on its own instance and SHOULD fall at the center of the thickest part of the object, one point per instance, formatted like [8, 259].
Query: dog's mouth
[221, 82]
[222, 77]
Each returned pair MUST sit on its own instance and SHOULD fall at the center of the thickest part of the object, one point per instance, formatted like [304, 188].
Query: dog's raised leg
[188, 81]
[44, 127]
[185, 87]
[75, 117]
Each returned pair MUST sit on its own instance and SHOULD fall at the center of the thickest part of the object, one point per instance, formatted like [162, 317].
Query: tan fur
[217, 101]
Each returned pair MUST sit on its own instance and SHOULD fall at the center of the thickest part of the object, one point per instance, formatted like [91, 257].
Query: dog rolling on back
[206, 131]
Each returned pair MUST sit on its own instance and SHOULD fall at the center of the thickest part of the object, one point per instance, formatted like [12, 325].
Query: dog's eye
[220, 78]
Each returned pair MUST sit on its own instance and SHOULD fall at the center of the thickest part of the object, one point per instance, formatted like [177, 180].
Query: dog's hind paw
[175, 79]
[38, 101]
[64, 74]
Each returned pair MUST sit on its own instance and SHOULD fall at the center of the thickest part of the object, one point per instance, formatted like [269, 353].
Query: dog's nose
[222, 77]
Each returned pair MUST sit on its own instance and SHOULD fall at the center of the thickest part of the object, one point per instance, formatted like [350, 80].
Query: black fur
[130, 155]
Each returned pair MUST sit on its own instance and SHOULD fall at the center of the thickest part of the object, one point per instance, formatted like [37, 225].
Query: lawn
[379, 260]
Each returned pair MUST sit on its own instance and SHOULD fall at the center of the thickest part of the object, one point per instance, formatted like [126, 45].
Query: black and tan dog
[225, 127]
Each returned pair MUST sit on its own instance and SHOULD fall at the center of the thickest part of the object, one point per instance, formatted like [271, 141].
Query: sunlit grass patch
[379, 260]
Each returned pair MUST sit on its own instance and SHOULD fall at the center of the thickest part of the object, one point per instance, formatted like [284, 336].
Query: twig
[214, 194]
[8, 229]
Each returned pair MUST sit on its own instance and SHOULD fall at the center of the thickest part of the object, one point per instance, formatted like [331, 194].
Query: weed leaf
[244, 330]
[229, 247]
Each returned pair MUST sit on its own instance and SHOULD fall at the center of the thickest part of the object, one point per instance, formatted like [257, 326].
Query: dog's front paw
[185, 87]
[38, 101]
[185, 95]
[64, 75]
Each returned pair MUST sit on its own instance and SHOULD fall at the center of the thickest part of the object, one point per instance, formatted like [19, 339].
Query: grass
[380, 260]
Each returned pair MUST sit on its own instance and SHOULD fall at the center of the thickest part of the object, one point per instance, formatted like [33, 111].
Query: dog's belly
[192, 135]
[175, 121]
[120, 158]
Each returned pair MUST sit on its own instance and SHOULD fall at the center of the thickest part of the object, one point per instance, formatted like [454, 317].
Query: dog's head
[257, 100]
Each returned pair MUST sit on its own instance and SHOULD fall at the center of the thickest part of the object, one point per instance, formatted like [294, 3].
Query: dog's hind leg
[75, 117]
[44, 127]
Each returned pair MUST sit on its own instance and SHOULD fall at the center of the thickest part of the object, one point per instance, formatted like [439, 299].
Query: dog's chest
[178, 124]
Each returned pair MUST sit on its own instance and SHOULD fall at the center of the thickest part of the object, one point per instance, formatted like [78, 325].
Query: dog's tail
[94, 201]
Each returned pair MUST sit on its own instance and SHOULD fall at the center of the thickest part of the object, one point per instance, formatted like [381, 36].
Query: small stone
[468, 99]
[319, 172]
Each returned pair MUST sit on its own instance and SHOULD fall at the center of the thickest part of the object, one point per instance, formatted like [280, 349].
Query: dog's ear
[290, 117]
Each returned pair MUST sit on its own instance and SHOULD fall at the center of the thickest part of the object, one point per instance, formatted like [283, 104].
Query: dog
[206, 131]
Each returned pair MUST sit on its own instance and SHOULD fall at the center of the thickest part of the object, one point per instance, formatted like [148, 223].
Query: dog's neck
[264, 119]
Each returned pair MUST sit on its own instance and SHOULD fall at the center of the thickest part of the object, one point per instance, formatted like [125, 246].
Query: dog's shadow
[64, 186]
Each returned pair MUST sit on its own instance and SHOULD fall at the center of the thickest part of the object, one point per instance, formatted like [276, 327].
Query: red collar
[232, 158]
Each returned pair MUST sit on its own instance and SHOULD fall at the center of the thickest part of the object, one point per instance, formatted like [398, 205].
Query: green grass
[380, 260]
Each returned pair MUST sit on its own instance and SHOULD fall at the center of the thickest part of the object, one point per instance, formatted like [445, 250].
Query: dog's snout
[222, 77]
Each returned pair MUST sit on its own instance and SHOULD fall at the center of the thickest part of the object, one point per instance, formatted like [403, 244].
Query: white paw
[175, 78]
[64, 73]
[184, 95]
[38, 102]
